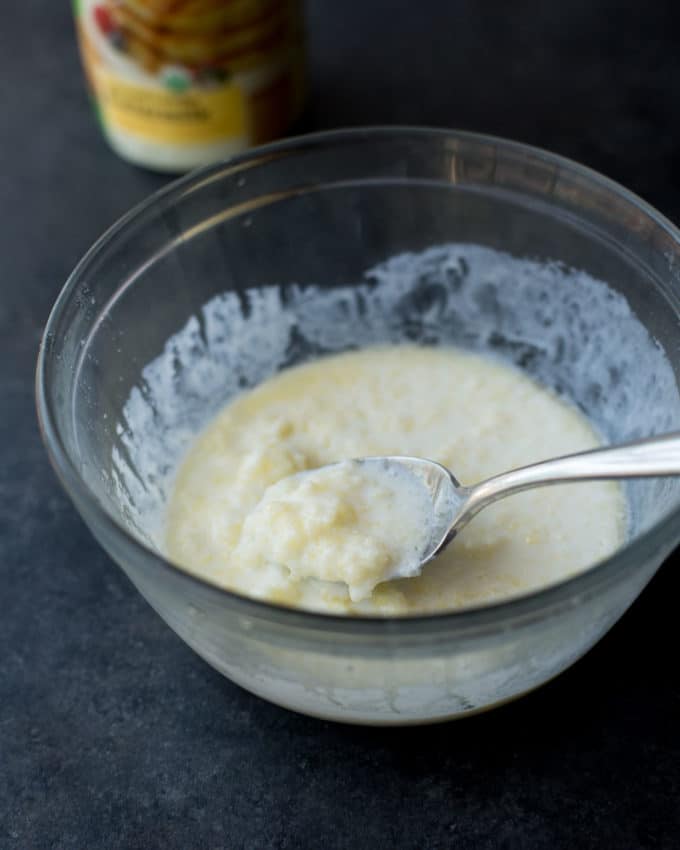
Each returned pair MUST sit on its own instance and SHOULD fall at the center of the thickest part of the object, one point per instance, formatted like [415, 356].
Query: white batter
[327, 541]
[342, 523]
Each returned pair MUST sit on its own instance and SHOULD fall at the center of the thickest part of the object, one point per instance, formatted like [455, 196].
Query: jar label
[166, 116]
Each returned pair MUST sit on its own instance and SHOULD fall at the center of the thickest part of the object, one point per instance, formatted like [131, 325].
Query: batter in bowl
[323, 542]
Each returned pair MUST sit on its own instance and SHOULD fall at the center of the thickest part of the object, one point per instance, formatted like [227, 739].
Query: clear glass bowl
[325, 209]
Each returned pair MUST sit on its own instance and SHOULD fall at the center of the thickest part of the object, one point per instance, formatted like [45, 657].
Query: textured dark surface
[112, 733]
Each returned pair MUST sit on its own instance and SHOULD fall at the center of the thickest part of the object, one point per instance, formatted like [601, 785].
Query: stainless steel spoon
[454, 505]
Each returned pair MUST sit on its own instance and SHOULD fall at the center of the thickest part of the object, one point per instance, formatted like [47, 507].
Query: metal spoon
[453, 505]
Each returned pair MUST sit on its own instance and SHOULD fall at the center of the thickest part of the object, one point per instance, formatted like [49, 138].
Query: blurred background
[111, 732]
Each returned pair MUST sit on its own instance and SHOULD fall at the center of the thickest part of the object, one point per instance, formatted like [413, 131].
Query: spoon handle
[654, 457]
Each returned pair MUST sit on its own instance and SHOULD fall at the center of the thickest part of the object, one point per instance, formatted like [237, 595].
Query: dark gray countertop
[112, 732]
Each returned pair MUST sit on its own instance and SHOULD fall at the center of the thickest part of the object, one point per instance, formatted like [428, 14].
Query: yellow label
[155, 114]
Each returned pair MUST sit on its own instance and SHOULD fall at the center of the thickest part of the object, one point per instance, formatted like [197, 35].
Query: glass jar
[183, 83]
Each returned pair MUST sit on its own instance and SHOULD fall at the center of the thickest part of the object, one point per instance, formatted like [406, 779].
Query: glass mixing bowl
[232, 263]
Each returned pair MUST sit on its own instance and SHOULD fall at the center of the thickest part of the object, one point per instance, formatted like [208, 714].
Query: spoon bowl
[447, 496]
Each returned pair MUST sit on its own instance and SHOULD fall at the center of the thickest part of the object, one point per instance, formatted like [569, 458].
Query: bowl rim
[657, 540]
